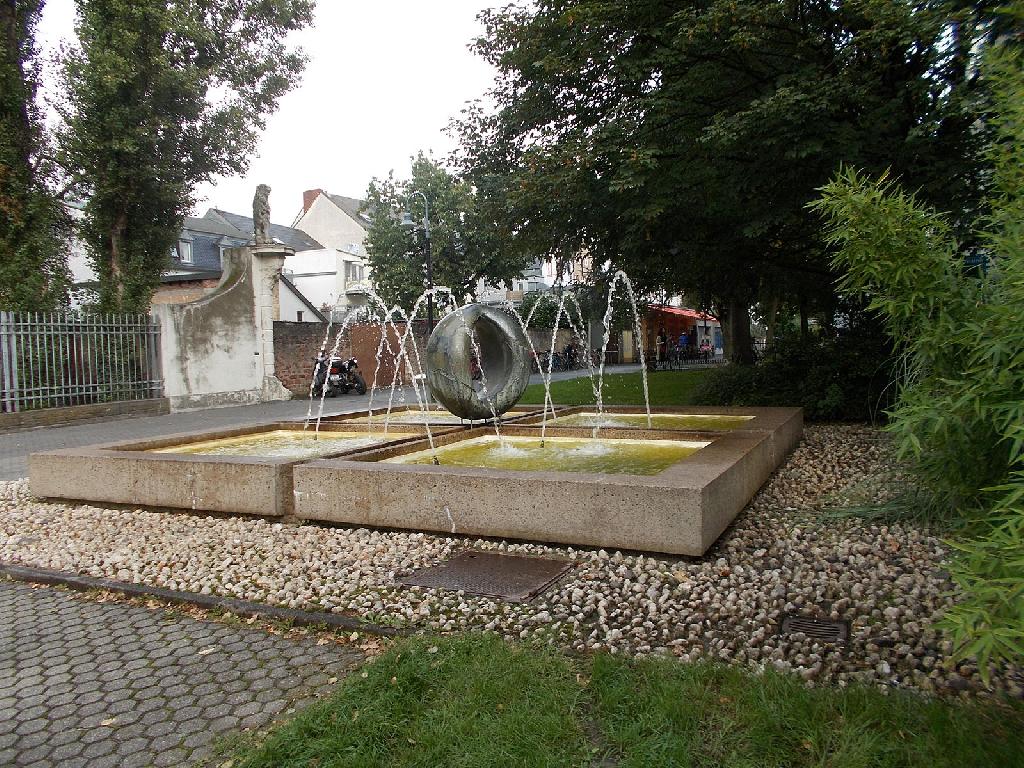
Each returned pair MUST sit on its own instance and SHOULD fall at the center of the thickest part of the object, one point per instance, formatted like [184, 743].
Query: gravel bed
[779, 557]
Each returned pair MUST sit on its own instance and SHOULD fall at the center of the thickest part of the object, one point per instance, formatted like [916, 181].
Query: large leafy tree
[33, 224]
[682, 141]
[463, 240]
[959, 420]
[162, 96]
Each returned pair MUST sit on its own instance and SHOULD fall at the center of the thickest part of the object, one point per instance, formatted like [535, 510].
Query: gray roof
[352, 207]
[293, 238]
[214, 227]
[182, 274]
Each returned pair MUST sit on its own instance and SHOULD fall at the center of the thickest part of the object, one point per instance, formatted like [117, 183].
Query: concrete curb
[238, 607]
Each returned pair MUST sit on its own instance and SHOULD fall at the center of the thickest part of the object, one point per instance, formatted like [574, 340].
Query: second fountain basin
[681, 509]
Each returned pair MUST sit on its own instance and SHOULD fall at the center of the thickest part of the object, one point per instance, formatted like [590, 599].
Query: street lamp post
[408, 222]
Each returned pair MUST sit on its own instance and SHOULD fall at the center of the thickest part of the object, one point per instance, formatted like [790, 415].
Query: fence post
[8, 363]
[156, 376]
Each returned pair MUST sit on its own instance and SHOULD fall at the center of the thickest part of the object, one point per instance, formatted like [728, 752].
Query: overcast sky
[383, 81]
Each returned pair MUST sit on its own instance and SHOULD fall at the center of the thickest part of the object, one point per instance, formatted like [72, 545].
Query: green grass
[478, 701]
[665, 387]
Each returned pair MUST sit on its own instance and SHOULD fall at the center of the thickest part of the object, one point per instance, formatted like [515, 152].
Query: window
[298, 315]
[353, 271]
[185, 251]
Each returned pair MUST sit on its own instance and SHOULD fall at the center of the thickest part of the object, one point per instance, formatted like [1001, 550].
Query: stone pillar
[267, 261]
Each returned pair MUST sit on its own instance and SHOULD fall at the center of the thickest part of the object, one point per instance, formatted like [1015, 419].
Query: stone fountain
[664, 480]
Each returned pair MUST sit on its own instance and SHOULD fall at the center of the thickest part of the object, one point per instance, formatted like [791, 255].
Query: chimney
[308, 197]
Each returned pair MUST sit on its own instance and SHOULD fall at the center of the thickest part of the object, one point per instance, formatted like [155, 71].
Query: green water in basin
[559, 454]
[281, 444]
[658, 420]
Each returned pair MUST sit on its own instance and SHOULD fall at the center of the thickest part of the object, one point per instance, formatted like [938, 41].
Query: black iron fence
[53, 359]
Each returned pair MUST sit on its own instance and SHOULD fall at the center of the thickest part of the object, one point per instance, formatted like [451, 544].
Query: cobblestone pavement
[84, 683]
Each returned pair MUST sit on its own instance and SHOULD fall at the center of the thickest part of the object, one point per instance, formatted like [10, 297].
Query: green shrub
[960, 415]
[839, 376]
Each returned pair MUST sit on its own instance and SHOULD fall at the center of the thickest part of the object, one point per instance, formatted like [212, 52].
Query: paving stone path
[94, 684]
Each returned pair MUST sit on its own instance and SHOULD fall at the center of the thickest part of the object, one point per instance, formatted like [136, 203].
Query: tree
[959, 420]
[683, 141]
[463, 242]
[163, 96]
[33, 224]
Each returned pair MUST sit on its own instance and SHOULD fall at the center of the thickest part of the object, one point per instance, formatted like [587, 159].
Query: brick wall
[296, 346]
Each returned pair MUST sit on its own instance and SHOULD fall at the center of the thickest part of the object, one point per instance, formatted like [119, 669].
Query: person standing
[662, 343]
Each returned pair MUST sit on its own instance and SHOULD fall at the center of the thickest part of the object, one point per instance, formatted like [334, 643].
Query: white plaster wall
[214, 350]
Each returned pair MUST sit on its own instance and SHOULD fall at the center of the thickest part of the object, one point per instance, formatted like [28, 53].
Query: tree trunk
[739, 344]
[115, 291]
[772, 317]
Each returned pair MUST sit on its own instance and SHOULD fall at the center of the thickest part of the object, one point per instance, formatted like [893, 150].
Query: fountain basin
[680, 510]
[657, 421]
[198, 470]
[518, 453]
[292, 444]
[701, 418]
[413, 415]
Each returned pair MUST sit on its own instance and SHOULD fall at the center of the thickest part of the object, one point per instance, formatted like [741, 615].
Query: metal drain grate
[509, 577]
[825, 630]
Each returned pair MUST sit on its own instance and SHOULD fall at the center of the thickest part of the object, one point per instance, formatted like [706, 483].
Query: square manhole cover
[825, 630]
[509, 577]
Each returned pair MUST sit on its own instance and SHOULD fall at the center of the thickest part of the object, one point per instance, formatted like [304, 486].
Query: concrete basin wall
[214, 483]
[127, 473]
[681, 510]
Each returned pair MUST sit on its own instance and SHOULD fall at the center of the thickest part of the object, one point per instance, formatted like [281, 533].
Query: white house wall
[329, 225]
[291, 305]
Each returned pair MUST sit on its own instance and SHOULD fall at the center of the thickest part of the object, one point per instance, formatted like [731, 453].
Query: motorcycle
[351, 378]
[338, 377]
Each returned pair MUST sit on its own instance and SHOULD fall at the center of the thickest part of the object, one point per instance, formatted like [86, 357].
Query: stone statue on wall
[261, 215]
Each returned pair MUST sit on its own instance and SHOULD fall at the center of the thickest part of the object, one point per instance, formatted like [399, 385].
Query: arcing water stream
[403, 349]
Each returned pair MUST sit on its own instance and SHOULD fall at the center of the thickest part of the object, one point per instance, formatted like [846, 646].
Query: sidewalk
[15, 447]
[92, 685]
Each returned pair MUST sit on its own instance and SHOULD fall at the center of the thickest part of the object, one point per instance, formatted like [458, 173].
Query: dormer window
[182, 252]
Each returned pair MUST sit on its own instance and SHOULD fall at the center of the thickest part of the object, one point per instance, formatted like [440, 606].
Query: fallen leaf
[108, 721]
[432, 649]
[412, 741]
[206, 651]
[332, 680]
[322, 641]
[355, 715]
[394, 681]
[364, 675]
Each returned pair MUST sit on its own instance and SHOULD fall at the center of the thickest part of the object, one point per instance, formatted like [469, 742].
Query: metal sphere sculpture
[473, 349]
